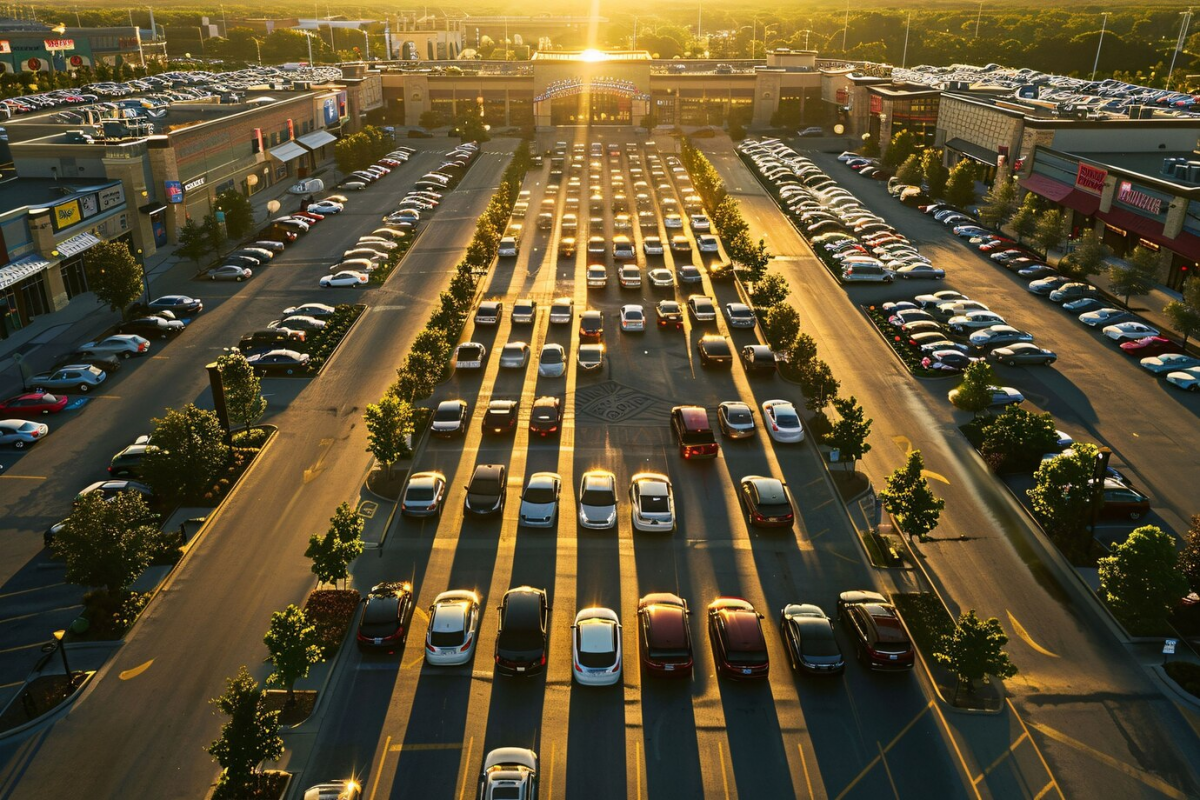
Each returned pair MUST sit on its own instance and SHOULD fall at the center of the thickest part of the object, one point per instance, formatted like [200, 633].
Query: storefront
[289, 160]
[73, 266]
[23, 290]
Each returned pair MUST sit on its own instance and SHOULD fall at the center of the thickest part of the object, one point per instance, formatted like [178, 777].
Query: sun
[591, 54]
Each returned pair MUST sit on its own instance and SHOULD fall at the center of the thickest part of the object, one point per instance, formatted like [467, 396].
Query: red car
[880, 639]
[308, 215]
[32, 405]
[996, 244]
[693, 433]
[739, 647]
[1150, 346]
[386, 617]
[663, 635]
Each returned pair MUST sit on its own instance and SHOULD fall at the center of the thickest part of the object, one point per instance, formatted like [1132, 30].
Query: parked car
[177, 304]
[1128, 331]
[501, 416]
[1150, 346]
[469, 355]
[664, 638]
[453, 627]
[524, 627]
[514, 355]
[736, 419]
[735, 632]
[80, 378]
[509, 772]
[22, 433]
[124, 345]
[782, 421]
[1168, 362]
[714, 350]
[108, 363]
[1000, 396]
[881, 641]
[423, 495]
[449, 418]
[385, 619]
[33, 404]
[809, 639]
[487, 489]
[669, 314]
[598, 500]
[128, 462]
[758, 358]
[344, 279]
[229, 272]
[740, 315]
[545, 417]
[596, 647]
[653, 507]
[539, 500]
[1120, 500]
[767, 502]
[286, 362]
[1022, 353]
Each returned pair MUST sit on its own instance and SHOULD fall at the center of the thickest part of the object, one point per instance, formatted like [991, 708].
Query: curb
[418, 450]
[322, 691]
[1170, 687]
[58, 711]
[364, 310]
[413, 243]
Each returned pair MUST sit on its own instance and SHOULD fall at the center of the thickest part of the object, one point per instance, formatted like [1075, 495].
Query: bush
[330, 612]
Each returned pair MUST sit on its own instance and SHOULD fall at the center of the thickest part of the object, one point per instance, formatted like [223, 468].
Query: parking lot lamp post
[62, 648]
[145, 278]
[1099, 44]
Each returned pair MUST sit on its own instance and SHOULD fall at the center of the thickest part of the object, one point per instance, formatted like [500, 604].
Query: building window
[74, 277]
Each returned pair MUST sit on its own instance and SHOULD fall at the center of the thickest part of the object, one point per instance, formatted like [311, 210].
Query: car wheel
[239, 278]
[84, 388]
[1011, 362]
[18, 444]
[1050, 361]
[1135, 515]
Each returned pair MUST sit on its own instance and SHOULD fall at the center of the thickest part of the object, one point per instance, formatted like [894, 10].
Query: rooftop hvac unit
[1168, 166]
[1193, 172]
[1181, 171]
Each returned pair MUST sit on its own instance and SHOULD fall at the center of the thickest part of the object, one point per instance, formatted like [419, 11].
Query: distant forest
[1138, 40]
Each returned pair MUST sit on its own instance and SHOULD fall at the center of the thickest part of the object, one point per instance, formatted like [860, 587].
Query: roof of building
[591, 55]
[40, 191]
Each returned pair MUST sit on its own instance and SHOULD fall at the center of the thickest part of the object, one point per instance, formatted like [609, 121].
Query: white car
[1188, 379]
[553, 361]
[590, 357]
[469, 355]
[122, 344]
[1169, 362]
[1100, 317]
[539, 500]
[1129, 331]
[598, 500]
[633, 318]
[596, 647]
[974, 320]
[325, 207]
[672, 221]
[652, 246]
[509, 772]
[318, 310]
[652, 501]
[229, 272]
[782, 421]
[562, 311]
[700, 223]
[376, 243]
[630, 276]
[597, 276]
[708, 243]
[508, 247]
[453, 628]
[344, 278]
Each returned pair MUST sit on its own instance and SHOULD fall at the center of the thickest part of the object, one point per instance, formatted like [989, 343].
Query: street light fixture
[62, 648]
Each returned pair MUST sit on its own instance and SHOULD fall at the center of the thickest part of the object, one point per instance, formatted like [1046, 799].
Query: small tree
[389, 424]
[910, 501]
[114, 275]
[1141, 581]
[432, 341]
[1017, 439]
[1137, 277]
[189, 452]
[347, 525]
[106, 543]
[1049, 231]
[803, 350]
[239, 214]
[935, 172]
[960, 186]
[1062, 497]
[901, 148]
[849, 434]
[770, 290]
[753, 257]
[975, 650]
[781, 326]
[999, 204]
[727, 217]
[1185, 314]
[1088, 257]
[243, 389]
[418, 377]
[194, 243]
[249, 737]
[213, 232]
[292, 647]
[1025, 221]
[1189, 556]
[974, 394]
[332, 553]
[910, 171]
[818, 384]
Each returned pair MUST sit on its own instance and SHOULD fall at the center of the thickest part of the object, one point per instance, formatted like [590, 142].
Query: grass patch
[330, 612]
[926, 619]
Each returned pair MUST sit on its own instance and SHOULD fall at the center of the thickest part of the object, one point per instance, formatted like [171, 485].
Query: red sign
[34, 64]
[291, 130]
[76, 61]
[842, 96]
[876, 104]
[1090, 178]
[1131, 196]
[58, 44]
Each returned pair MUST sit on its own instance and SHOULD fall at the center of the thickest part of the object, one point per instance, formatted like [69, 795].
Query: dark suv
[666, 641]
[521, 641]
[693, 433]
[880, 640]
[487, 490]
[266, 339]
[385, 618]
[738, 644]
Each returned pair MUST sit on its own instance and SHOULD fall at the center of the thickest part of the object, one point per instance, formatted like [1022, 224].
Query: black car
[109, 364]
[177, 304]
[385, 618]
[265, 339]
[487, 490]
[501, 416]
[242, 261]
[152, 326]
[809, 639]
[714, 350]
[758, 358]
[128, 462]
[767, 501]
[521, 640]
[546, 416]
[285, 362]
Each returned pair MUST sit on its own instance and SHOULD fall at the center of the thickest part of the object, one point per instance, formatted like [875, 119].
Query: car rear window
[747, 657]
[447, 414]
[380, 610]
[420, 493]
[598, 497]
[655, 503]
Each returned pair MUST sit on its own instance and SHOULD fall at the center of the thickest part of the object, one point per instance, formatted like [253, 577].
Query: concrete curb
[418, 450]
[323, 690]
[364, 310]
[1173, 689]
[58, 711]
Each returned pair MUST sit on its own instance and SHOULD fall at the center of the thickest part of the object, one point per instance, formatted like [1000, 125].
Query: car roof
[770, 490]
[742, 631]
[488, 472]
[693, 417]
[667, 623]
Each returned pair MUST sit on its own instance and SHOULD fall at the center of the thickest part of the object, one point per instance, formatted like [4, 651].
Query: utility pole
[1099, 44]
[308, 35]
[907, 25]
[978, 14]
[1180, 42]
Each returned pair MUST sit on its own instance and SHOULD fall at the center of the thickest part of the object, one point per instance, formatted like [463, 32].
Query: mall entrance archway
[598, 101]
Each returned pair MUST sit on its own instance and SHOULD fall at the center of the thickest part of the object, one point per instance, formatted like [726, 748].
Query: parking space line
[1153, 781]
[1036, 749]
[24, 477]
[804, 764]
[379, 772]
[1020, 631]
[22, 647]
[724, 772]
[463, 787]
[887, 770]
[38, 614]
[7, 595]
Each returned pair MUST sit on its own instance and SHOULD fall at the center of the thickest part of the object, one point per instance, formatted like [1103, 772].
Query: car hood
[597, 515]
[537, 510]
[482, 501]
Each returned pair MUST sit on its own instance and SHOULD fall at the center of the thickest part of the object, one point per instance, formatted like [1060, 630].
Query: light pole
[907, 26]
[258, 48]
[846, 28]
[62, 649]
[978, 15]
[1099, 44]
[1180, 42]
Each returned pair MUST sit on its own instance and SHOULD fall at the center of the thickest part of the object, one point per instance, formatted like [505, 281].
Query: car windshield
[747, 657]
[539, 494]
[447, 414]
[633, 314]
[552, 355]
[738, 416]
[786, 419]
[598, 497]
[420, 493]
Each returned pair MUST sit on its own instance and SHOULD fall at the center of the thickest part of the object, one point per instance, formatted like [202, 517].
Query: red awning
[1135, 223]
[1186, 245]
[1083, 202]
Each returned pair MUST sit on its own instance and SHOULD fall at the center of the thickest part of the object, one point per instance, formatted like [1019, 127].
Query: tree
[418, 376]
[1141, 581]
[999, 204]
[1017, 439]
[975, 650]
[249, 737]
[188, 452]
[193, 242]
[389, 424]
[332, 553]
[803, 350]
[1062, 497]
[239, 214]
[1049, 231]
[849, 434]
[1137, 276]
[1189, 556]
[770, 290]
[910, 171]
[106, 543]
[470, 128]
[974, 394]
[243, 389]
[292, 647]
[1185, 314]
[1088, 257]
[114, 275]
[213, 233]
[910, 501]
[935, 172]
[960, 186]
[753, 257]
[1024, 222]
[818, 384]
[781, 326]
[902, 147]
[727, 218]
[347, 525]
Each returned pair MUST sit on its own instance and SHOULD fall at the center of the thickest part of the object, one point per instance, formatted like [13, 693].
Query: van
[866, 273]
[308, 186]
[693, 433]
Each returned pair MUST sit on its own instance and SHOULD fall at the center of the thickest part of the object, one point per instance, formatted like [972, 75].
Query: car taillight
[687, 452]
[466, 645]
[430, 647]
[142, 347]
[577, 667]
[759, 517]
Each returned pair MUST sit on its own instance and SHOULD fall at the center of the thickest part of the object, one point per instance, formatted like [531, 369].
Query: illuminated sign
[174, 191]
[53, 45]
[1130, 196]
[195, 183]
[5, 47]
[64, 215]
[1090, 178]
[111, 197]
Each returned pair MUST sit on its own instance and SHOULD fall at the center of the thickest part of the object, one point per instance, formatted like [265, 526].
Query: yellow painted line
[870, 766]
[379, 772]
[413, 663]
[1045, 790]
[39, 613]
[935, 476]
[34, 589]
[1019, 629]
[724, 772]
[904, 443]
[804, 764]
[422, 613]
[550, 786]
[637, 749]
[887, 770]
[25, 477]
[133, 673]
[1153, 781]
[10, 685]
[463, 788]
[421, 748]
[1036, 749]
[105, 397]
[957, 750]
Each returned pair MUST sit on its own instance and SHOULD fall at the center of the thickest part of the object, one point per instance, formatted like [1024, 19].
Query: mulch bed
[297, 712]
[330, 611]
[849, 484]
[908, 356]
[41, 695]
[270, 786]
[387, 484]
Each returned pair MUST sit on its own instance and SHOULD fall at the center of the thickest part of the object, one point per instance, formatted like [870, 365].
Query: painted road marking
[1153, 781]
[379, 772]
[1053, 782]
[724, 773]
[367, 509]
[25, 477]
[421, 748]
[1019, 629]
[463, 788]
[133, 673]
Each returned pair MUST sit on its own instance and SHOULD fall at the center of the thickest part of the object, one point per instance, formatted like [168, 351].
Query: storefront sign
[111, 197]
[842, 96]
[876, 104]
[330, 111]
[1116, 230]
[5, 48]
[59, 44]
[174, 191]
[64, 215]
[1090, 178]
[1130, 196]
[291, 129]
[1149, 245]
[89, 205]
[195, 183]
